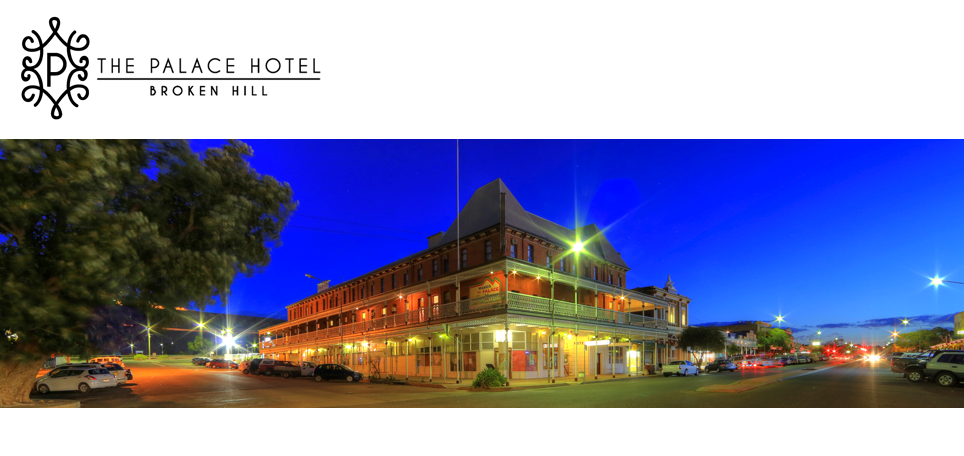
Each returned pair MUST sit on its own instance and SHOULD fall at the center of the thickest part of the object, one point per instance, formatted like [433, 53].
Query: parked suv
[336, 372]
[286, 369]
[946, 367]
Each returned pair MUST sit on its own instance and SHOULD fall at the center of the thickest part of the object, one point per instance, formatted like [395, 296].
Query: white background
[509, 69]
[505, 69]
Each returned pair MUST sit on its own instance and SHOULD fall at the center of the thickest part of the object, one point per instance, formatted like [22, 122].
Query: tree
[200, 346]
[702, 339]
[733, 349]
[87, 227]
[773, 337]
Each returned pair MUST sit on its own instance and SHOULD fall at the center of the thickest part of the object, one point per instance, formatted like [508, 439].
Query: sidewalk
[515, 384]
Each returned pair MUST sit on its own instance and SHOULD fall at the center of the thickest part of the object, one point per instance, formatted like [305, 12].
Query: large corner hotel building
[516, 291]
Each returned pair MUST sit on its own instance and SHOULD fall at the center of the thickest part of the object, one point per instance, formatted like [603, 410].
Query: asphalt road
[857, 384]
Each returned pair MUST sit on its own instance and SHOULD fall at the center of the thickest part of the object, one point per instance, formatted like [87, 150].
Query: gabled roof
[483, 211]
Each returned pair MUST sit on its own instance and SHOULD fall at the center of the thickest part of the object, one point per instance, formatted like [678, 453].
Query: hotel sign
[488, 289]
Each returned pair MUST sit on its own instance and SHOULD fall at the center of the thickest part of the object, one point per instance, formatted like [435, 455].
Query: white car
[683, 368]
[307, 369]
[81, 379]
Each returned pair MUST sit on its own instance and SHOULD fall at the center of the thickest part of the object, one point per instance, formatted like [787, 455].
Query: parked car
[307, 368]
[767, 362]
[721, 365]
[222, 364]
[683, 368]
[200, 361]
[899, 365]
[781, 360]
[286, 369]
[267, 366]
[81, 379]
[338, 372]
[253, 366]
[107, 360]
[946, 367]
[122, 375]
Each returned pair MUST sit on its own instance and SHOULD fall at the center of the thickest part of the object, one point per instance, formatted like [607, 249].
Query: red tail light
[90, 377]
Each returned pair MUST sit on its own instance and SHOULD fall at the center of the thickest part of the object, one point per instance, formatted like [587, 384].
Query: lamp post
[200, 333]
[132, 348]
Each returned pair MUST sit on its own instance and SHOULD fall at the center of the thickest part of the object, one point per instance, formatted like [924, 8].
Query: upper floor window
[373, 289]
[393, 281]
[488, 250]
[362, 291]
[447, 297]
[352, 294]
[445, 265]
[434, 268]
[512, 252]
[465, 258]
[405, 279]
[549, 260]
[562, 264]
[619, 281]
[530, 256]
[382, 284]
[419, 275]
[595, 273]
[610, 279]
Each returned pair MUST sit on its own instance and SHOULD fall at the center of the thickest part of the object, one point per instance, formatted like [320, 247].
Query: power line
[356, 223]
[355, 234]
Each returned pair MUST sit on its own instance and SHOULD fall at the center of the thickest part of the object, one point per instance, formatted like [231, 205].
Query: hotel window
[421, 302]
[383, 284]
[344, 296]
[512, 252]
[434, 268]
[465, 258]
[373, 290]
[619, 281]
[362, 292]
[610, 279]
[405, 279]
[447, 297]
[363, 314]
[562, 264]
[352, 295]
[419, 275]
[488, 250]
[435, 299]
[549, 260]
[445, 265]
[672, 314]
[384, 311]
[393, 281]
[595, 273]
[529, 252]
[683, 316]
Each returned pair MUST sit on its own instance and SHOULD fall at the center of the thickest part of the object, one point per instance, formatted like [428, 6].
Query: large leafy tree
[88, 227]
[702, 339]
[773, 337]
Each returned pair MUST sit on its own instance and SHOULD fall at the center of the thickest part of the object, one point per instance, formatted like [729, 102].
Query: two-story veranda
[546, 314]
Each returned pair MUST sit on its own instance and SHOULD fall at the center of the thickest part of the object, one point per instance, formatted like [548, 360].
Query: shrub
[489, 378]
[140, 357]
[163, 356]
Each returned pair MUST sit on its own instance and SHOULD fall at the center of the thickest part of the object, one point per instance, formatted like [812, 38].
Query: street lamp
[937, 281]
[132, 349]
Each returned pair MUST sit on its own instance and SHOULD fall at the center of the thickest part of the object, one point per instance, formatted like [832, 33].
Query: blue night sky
[837, 234]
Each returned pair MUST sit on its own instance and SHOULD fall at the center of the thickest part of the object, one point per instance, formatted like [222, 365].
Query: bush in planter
[489, 378]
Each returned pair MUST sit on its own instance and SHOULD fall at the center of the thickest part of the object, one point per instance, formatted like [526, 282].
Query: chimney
[322, 286]
[435, 239]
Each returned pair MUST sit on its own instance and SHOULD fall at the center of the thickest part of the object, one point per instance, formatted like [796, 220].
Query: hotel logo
[53, 69]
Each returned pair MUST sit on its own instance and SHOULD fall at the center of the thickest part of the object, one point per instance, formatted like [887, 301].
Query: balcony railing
[512, 302]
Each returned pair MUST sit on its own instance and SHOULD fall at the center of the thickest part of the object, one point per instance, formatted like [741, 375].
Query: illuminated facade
[515, 291]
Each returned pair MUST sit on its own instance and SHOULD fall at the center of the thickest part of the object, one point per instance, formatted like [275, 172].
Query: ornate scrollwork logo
[54, 64]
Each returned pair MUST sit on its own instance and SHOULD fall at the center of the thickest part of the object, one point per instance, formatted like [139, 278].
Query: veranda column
[430, 363]
[612, 354]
